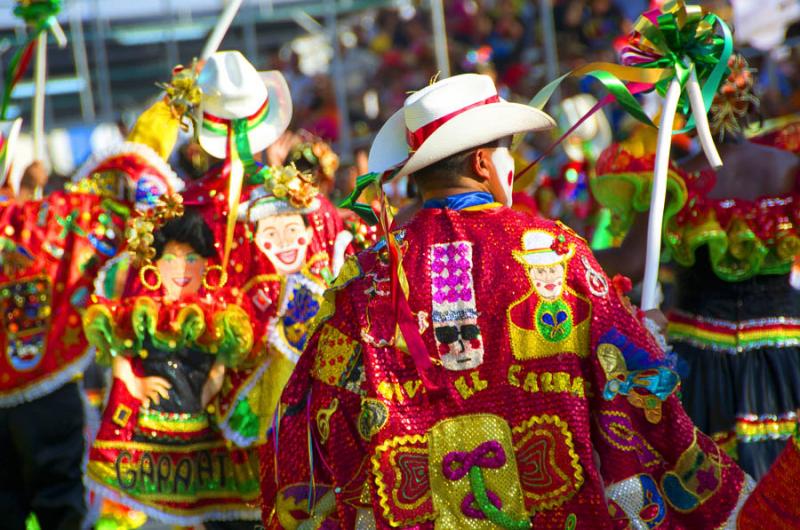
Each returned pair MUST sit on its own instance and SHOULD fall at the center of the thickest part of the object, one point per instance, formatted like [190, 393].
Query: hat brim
[276, 122]
[10, 131]
[543, 259]
[474, 127]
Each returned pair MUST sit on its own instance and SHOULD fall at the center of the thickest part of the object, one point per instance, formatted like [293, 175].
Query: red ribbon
[417, 138]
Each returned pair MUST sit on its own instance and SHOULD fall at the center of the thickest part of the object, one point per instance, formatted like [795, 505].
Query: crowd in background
[389, 52]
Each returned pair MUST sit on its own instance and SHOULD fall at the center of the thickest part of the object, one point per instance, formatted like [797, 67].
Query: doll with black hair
[158, 449]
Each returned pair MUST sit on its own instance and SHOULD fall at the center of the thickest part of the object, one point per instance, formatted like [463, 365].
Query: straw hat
[447, 117]
[233, 90]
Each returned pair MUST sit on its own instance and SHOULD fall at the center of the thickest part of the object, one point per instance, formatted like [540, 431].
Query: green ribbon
[494, 514]
[693, 44]
[41, 16]
[363, 210]
[682, 39]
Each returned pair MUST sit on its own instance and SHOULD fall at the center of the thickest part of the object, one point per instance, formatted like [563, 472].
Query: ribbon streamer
[39, 16]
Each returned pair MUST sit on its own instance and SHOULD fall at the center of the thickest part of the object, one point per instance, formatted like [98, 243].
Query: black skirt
[740, 342]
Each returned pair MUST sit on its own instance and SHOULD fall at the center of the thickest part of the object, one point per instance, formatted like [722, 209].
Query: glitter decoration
[640, 499]
[455, 314]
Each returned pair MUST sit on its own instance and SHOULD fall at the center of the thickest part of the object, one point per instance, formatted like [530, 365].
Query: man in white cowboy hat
[420, 407]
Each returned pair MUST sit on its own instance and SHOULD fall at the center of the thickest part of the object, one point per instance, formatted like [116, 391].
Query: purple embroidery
[456, 464]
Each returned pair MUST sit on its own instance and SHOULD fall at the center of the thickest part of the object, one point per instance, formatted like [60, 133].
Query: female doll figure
[157, 449]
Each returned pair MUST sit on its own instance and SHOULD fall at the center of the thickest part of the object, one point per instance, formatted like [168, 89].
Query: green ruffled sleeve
[234, 335]
[626, 194]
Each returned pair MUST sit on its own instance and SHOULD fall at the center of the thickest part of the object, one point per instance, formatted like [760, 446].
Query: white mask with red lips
[504, 166]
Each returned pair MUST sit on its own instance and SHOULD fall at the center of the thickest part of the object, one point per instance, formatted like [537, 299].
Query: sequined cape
[565, 416]
[50, 251]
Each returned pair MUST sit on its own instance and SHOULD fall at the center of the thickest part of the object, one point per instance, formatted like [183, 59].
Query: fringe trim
[232, 436]
[130, 148]
[49, 384]
[168, 518]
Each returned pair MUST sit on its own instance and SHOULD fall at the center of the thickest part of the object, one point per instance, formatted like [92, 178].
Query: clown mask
[284, 239]
[504, 167]
[181, 269]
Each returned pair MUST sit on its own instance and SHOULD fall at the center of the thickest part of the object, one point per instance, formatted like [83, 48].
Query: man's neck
[443, 193]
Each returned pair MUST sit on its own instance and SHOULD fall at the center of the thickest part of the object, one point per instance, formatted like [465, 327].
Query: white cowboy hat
[9, 132]
[447, 117]
[537, 250]
[233, 90]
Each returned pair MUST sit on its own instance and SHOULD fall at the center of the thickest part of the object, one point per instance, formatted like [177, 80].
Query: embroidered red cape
[50, 252]
[568, 422]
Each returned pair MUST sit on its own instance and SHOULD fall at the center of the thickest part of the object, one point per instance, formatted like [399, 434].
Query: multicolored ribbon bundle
[666, 44]
[39, 15]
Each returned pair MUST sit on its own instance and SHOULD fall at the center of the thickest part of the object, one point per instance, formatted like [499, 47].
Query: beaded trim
[752, 428]
[734, 337]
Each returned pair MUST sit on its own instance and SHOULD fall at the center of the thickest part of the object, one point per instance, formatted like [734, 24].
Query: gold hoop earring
[223, 278]
[143, 277]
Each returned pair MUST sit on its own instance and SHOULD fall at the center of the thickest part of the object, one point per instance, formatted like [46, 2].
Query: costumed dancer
[282, 233]
[479, 370]
[291, 271]
[157, 449]
[733, 238]
[54, 250]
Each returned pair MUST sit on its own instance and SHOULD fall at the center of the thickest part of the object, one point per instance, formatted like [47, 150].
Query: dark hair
[191, 229]
[440, 173]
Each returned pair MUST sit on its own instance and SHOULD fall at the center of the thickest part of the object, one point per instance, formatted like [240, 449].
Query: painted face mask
[284, 239]
[504, 166]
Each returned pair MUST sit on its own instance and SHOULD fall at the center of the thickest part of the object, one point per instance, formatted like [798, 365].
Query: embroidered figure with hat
[456, 380]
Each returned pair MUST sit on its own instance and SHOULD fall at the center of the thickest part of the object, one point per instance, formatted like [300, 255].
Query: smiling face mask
[504, 167]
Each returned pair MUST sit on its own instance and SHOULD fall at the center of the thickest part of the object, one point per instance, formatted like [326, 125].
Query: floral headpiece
[182, 93]
[318, 154]
[299, 189]
[142, 227]
[734, 99]
[286, 190]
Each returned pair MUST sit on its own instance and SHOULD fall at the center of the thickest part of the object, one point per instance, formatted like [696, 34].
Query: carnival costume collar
[461, 201]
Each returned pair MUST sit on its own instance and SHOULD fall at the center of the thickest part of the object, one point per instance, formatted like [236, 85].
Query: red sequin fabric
[557, 410]
[50, 253]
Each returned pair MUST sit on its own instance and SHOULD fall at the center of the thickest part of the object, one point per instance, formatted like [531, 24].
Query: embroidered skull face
[181, 268]
[284, 239]
[455, 315]
[548, 280]
[460, 344]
